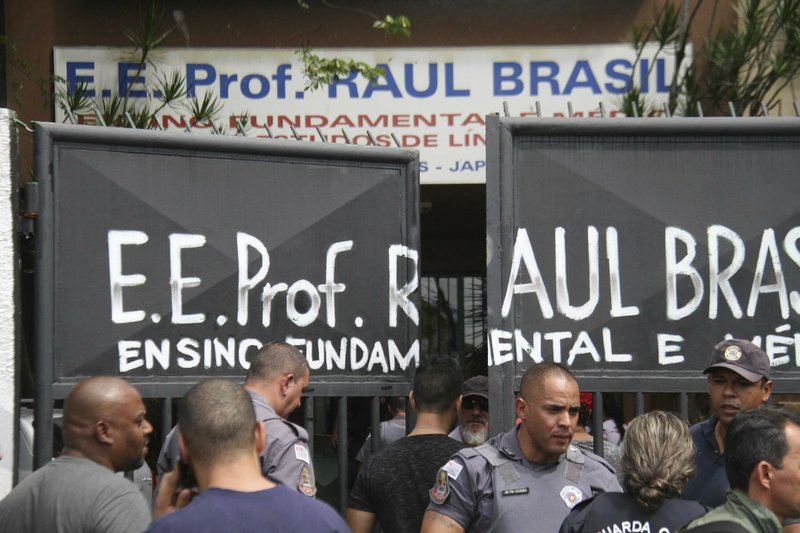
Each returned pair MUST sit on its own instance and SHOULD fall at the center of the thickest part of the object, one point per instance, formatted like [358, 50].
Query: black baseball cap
[741, 356]
[476, 386]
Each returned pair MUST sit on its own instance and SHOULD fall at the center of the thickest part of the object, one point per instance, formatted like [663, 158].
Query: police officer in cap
[528, 478]
[738, 379]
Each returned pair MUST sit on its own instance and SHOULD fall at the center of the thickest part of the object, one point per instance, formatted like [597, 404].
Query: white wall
[8, 293]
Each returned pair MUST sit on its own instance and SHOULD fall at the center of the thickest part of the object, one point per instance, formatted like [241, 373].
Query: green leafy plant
[745, 64]
[165, 90]
[399, 26]
[170, 90]
[320, 71]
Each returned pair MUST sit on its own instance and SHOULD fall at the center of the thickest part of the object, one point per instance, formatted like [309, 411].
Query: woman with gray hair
[657, 461]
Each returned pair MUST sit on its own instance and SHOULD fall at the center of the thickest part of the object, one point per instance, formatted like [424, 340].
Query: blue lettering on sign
[281, 77]
[433, 81]
[419, 80]
[544, 72]
[74, 79]
[349, 82]
[449, 89]
[247, 89]
[661, 83]
[506, 79]
[126, 81]
[225, 81]
[614, 70]
[390, 85]
[193, 70]
[583, 70]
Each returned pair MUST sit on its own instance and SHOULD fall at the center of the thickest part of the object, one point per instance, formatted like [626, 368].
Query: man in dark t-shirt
[221, 442]
[393, 485]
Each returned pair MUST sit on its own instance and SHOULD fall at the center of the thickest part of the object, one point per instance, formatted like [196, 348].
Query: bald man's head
[105, 421]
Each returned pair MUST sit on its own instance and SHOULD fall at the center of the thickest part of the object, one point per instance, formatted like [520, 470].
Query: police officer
[527, 479]
[277, 378]
[738, 379]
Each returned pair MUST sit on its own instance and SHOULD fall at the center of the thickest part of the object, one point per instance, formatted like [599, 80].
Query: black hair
[217, 418]
[275, 359]
[397, 403]
[437, 384]
[753, 436]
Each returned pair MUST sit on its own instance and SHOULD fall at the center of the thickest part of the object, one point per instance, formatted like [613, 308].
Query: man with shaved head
[105, 431]
[277, 377]
[220, 440]
[527, 479]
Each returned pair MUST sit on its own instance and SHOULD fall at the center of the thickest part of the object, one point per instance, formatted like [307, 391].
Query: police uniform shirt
[286, 458]
[456, 434]
[493, 487]
[388, 432]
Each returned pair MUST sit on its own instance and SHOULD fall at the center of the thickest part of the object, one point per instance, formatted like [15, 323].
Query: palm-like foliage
[746, 64]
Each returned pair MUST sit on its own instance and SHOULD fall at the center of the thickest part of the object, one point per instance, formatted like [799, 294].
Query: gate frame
[501, 170]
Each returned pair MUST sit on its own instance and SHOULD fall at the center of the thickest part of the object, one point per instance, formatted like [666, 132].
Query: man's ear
[767, 391]
[521, 408]
[261, 437]
[458, 403]
[184, 451]
[761, 475]
[286, 381]
[102, 432]
[412, 400]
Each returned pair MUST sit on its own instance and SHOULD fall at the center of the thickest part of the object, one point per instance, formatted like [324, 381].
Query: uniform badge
[571, 495]
[732, 353]
[306, 484]
[441, 489]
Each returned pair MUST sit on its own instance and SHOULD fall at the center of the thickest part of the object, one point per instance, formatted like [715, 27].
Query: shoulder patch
[306, 484]
[441, 489]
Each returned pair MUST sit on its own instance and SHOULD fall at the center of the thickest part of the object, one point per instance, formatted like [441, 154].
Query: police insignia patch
[441, 489]
[306, 483]
[732, 353]
[571, 495]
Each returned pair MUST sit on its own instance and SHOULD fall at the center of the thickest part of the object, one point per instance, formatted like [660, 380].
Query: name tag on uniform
[515, 492]
[453, 469]
[301, 453]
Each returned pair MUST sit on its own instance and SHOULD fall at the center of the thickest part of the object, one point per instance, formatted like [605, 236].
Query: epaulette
[298, 431]
[495, 457]
[597, 459]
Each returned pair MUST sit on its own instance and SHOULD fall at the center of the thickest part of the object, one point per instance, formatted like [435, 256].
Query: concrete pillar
[9, 296]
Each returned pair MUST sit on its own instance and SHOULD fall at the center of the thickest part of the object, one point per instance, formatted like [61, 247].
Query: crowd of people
[235, 463]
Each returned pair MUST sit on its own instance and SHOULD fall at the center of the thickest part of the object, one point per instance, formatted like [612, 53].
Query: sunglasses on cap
[470, 402]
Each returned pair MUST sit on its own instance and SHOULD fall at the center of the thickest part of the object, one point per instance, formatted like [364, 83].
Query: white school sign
[434, 100]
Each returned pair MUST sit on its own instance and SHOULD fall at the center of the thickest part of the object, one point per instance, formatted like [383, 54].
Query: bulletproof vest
[534, 500]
